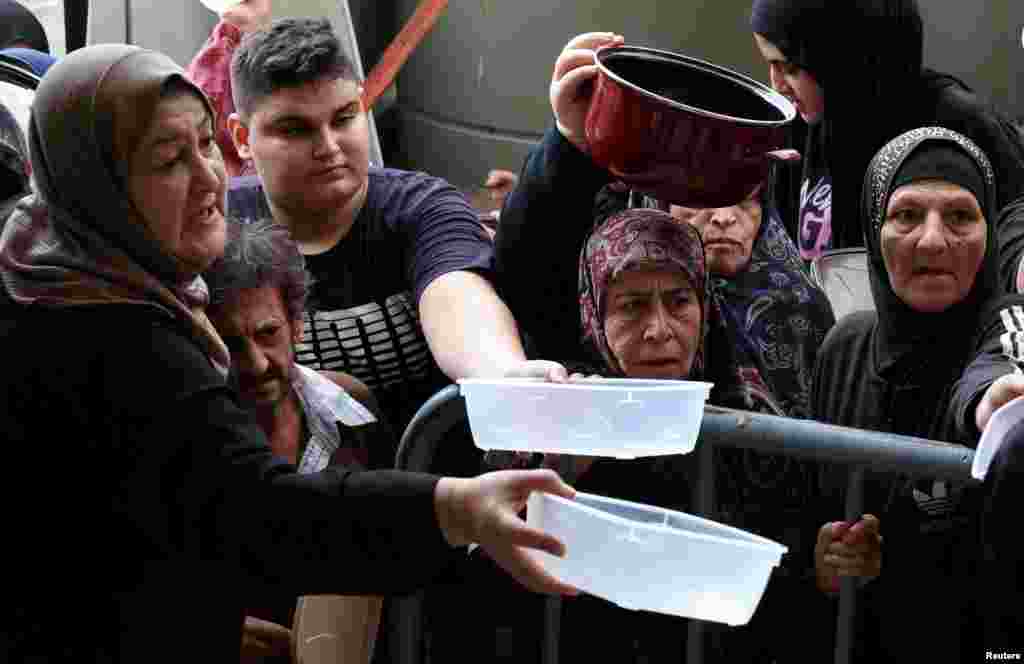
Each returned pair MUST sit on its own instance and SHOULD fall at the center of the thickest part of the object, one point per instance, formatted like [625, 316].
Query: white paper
[995, 433]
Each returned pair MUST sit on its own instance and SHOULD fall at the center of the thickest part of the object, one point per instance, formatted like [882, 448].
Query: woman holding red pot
[856, 96]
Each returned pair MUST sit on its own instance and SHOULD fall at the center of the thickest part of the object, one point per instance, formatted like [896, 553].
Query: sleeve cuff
[560, 155]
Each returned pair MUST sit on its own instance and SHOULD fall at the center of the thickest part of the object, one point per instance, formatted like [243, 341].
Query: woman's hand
[552, 372]
[499, 185]
[262, 639]
[572, 83]
[1004, 390]
[484, 510]
[249, 15]
[845, 549]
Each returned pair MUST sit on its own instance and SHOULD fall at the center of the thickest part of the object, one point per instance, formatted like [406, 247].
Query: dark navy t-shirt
[362, 314]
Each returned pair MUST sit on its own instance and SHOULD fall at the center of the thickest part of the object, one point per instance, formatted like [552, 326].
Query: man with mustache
[313, 419]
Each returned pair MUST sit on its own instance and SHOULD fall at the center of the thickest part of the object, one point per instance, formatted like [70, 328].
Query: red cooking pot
[683, 130]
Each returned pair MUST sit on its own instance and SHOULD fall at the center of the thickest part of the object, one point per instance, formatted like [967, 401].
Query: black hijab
[20, 27]
[864, 54]
[906, 337]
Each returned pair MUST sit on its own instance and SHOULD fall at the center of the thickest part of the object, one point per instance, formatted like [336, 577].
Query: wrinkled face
[652, 323]
[792, 82]
[176, 179]
[255, 326]
[933, 241]
[728, 233]
[310, 144]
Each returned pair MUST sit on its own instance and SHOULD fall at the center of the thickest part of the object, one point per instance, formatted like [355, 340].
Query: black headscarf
[20, 27]
[906, 335]
[872, 50]
[797, 28]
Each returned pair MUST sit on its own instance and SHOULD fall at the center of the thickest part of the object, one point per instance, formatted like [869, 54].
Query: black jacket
[144, 508]
[928, 543]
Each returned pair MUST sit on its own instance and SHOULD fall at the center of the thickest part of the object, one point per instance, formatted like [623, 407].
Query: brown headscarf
[630, 240]
[81, 240]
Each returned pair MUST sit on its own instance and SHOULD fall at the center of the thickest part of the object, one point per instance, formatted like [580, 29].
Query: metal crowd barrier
[858, 449]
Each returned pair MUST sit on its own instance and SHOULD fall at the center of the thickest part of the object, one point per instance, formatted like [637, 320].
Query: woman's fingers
[525, 569]
[1005, 389]
[569, 62]
[576, 86]
[865, 531]
[516, 532]
[546, 369]
[548, 481]
[592, 40]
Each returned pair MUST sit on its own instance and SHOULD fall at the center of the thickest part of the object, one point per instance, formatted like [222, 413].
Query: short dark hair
[259, 254]
[288, 53]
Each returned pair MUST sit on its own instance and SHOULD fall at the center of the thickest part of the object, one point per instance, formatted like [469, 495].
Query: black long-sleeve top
[930, 541]
[537, 264]
[144, 507]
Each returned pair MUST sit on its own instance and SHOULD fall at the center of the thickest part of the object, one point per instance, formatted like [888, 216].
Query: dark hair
[288, 53]
[259, 254]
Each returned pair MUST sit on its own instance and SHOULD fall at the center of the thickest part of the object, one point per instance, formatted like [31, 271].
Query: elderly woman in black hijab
[941, 348]
[133, 458]
[818, 57]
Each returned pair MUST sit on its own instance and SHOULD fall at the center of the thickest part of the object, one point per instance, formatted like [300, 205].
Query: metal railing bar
[874, 450]
[703, 505]
[858, 448]
[848, 585]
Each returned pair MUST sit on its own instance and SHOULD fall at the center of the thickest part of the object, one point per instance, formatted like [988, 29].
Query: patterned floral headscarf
[631, 240]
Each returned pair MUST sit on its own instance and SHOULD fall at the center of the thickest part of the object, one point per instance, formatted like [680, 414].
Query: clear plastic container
[621, 418]
[649, 558]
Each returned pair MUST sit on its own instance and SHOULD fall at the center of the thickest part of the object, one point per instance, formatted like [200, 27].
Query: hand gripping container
[649, 558]
[621, 418]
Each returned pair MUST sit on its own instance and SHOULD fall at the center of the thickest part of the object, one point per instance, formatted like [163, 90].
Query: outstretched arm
[472, 334]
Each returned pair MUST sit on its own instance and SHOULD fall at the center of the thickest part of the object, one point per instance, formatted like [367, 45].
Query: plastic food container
[649, 558]
[621, 418]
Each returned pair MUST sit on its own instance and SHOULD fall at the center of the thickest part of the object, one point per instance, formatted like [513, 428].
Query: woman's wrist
[450, 517]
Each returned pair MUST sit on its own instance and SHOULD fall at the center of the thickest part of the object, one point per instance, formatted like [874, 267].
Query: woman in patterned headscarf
[643, 295]
[644, 303]
[767, 313]
[643, 308]
[934, 356]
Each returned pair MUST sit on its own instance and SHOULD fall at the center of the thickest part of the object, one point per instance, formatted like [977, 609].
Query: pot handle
[787, 155]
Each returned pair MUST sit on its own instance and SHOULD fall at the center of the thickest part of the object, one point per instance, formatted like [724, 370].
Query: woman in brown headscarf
[134, 471]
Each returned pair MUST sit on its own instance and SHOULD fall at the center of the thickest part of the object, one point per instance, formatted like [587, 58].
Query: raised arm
[993, 377]
[210, 69]
[546, 218]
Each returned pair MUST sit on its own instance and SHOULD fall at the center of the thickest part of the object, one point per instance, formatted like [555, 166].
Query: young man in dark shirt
[403, 297]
